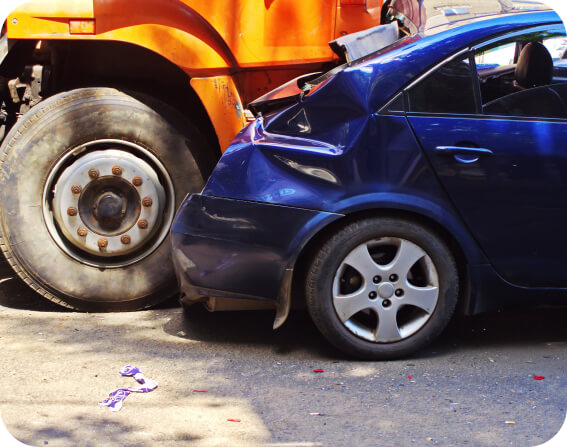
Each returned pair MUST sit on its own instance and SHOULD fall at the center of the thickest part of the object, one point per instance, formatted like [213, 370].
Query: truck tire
[90, 181]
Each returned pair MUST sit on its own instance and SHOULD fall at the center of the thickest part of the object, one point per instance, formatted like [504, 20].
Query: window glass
[449, 89]
[496, 57]
[556, 46]
[525, 77]
[396, 105]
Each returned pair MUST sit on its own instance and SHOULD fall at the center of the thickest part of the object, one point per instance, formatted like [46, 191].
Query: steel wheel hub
[108, 203]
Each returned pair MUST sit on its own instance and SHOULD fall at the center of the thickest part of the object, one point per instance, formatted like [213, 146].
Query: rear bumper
[237, 249]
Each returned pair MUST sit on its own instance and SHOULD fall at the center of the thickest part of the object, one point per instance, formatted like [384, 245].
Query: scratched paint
[227, 96]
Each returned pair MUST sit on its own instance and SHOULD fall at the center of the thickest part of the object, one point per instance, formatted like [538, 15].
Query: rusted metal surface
[30, 87]
[137, 181]
[72, 211]
[109, 205]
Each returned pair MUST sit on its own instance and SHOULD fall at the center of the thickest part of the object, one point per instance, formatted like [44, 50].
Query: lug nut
[142, 224]
[76, 189]
[386, 303]
[372, 295]
[102, 243]
[377, 279]
[117, 170]
[125, 239]
[393, 278]
[137, 181]
[93, 173]
[399, 292]
[82, 231]
[72, 211]
[147, 201]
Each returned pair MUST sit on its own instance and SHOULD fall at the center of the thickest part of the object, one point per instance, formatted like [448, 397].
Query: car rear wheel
[91, 179]
[382, 288]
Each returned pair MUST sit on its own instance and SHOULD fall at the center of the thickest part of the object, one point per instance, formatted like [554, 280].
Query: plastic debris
[315, 414]
[115, 399]
[318, 370]
[429, 439]
[181, 334]
[510, 422]
[200, 391]
[409, 377]
[233, 420]
[539, 377]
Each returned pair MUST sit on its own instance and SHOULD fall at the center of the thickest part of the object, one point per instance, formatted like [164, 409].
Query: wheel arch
[453, 234]
[121, 65]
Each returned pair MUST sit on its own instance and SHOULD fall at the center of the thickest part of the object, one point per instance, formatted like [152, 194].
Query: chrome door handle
[460, 150]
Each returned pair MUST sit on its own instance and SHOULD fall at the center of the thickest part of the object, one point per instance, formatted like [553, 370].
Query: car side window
[524, 77]
[449, 89]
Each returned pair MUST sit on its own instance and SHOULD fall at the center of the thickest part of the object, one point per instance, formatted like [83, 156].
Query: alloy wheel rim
[385, 290]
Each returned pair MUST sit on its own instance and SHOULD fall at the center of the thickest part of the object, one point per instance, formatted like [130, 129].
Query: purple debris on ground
[115, 399]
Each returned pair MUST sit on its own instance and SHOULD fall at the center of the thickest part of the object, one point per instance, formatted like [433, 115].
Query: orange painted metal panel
[222, 101]
[242, 33]
[355, 17]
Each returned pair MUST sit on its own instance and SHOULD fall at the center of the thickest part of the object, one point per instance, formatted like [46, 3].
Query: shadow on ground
[15, 294]
[510, 328]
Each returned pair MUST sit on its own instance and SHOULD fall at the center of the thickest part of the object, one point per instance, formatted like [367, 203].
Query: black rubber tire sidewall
[32, 148]
[327, 260]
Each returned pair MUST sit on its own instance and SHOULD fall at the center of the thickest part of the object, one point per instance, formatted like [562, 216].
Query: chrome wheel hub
[385, 289]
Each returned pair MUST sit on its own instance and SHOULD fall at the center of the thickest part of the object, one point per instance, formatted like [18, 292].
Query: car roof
[486, 20]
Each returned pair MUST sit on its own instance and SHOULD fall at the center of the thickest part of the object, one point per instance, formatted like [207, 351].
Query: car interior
[530, 85]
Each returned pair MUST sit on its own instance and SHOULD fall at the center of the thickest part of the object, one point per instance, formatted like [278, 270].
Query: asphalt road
[56, 365]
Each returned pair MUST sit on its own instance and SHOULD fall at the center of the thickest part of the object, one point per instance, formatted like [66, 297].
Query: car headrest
[534, 67]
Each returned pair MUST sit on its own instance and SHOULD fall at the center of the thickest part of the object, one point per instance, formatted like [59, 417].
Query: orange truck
[113, 110]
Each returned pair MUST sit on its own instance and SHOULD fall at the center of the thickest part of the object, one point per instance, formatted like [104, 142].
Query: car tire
[382, 288]
[91, 179]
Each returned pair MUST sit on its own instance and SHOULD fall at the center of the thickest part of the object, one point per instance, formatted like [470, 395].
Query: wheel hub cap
[109, 210]
[110, 204]
[386, 290]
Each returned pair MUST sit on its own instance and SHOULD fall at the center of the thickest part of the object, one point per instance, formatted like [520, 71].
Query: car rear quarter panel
[241, 247]
[379, 166]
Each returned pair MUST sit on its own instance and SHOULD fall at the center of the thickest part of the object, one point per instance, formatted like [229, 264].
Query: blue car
[427, 178]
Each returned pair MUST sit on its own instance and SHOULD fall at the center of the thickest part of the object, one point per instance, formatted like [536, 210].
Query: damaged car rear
[392, 190]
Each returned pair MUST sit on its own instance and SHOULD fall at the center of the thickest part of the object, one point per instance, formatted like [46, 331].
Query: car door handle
[460, 150]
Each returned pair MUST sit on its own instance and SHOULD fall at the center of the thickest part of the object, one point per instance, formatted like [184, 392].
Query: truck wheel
[90, 181]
